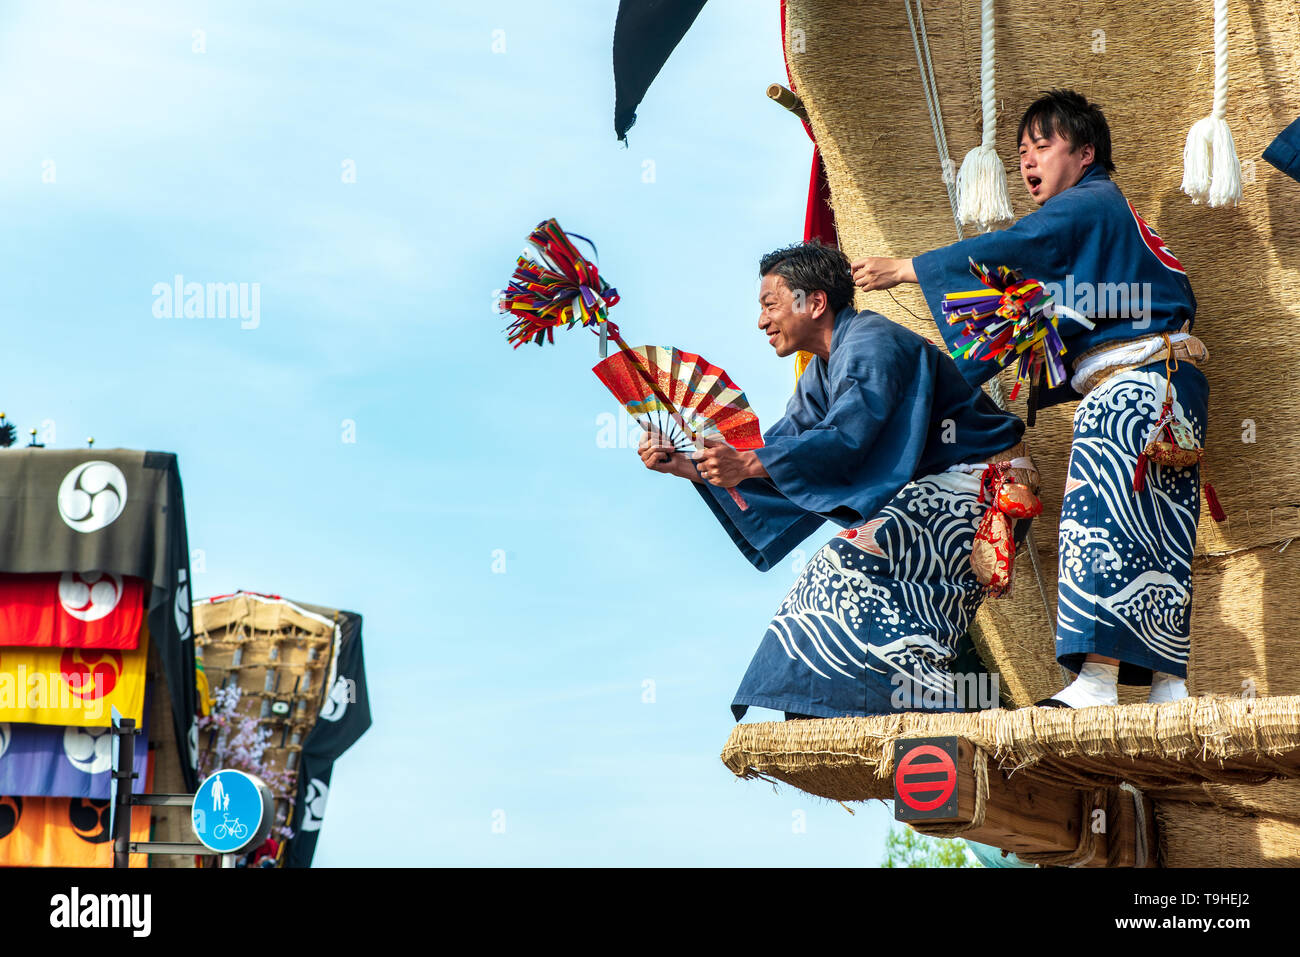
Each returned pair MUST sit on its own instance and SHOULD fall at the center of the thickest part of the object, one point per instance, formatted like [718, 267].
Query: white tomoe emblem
[314, 805]
[344, 691]
[89, 596]
[89, 749]
[92, 496]
[181, 607]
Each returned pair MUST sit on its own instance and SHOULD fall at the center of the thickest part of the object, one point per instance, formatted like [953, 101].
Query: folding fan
[704, 399]
[679, 394]
[683, 396]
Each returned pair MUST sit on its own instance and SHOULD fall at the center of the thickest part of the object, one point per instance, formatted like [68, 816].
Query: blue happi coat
[887, 407]
[882, 607]
[1097, 256]
[1125, 578]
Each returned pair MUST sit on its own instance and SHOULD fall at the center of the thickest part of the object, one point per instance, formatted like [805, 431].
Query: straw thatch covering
[1192, 836]
[274, 651]
[853, 64]
[1156, 747]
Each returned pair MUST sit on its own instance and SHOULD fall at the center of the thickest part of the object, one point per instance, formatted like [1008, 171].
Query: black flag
[344, 717]
[645, 33]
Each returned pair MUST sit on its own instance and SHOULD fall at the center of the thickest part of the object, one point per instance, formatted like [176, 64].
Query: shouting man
[885, 438]
[1127, 531]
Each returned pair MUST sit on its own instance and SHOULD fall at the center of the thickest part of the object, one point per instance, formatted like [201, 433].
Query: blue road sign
[233, 811]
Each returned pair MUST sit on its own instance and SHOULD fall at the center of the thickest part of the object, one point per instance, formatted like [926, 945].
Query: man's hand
[657, 454]
[726, 467]
[882, 272]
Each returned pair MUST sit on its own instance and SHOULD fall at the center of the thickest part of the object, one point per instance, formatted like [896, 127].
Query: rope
[1211, 169]
[930, 89]
[988, 95]
[982, 181]
[1142, 852]
[1220, 110]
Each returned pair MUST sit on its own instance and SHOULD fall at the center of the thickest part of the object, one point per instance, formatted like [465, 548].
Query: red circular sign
[913, 765]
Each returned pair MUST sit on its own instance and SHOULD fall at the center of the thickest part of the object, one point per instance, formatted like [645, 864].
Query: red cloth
[71, 610]
[819, 219]
[269, 848]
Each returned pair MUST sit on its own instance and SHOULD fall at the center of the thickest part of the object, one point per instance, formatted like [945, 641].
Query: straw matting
[1194, 836]
[853, 64]
[1276, 798]
[1220, 740]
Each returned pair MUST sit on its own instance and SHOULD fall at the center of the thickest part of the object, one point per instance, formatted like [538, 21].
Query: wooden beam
[1022, 814]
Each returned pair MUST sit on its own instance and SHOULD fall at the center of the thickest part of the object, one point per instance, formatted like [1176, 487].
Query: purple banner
[41, 760]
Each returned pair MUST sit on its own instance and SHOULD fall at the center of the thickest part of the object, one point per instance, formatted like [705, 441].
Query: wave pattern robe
[864, 443]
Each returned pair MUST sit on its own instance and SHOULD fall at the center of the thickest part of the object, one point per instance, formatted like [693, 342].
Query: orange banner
[73, 686]
[65, 832]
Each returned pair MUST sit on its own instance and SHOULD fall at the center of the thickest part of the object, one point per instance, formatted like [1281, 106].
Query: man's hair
[1079, 121]
[811, 266]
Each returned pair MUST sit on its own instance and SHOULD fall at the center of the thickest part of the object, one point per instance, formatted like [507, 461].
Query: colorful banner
[40, 760]
[64, 832]
[111, 510]
[72, 686]
[71, 610]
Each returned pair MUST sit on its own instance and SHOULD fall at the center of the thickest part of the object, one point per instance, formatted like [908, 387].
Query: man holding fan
[885, 438]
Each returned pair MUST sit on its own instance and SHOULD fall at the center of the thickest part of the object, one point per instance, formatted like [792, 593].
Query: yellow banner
[73, 686]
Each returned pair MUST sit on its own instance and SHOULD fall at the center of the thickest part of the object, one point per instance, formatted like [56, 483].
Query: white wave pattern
[918, 598]
[1078, 544]
[1149, 536]
[1161, 603]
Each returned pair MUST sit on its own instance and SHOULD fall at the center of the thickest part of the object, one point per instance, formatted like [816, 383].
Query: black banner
[344, 717]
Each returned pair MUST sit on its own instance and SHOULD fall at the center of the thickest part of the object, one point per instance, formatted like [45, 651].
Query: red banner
[71, 610]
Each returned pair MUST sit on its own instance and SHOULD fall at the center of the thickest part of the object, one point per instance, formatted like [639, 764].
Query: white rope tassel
[1211, 170]
[982, 180]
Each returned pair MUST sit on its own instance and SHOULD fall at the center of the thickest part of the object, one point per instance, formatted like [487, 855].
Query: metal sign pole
[123, 775]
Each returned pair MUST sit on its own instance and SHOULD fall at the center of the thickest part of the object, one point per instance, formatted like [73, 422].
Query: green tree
[904, 847]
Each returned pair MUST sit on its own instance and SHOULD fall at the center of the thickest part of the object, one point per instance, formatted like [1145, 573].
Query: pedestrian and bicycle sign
[233, 811]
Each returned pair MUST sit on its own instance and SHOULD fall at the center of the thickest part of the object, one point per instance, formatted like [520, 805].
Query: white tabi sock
[1165, 687]
[1097, 684]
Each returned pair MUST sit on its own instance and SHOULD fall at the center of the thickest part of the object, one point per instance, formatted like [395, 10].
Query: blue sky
[513, 695]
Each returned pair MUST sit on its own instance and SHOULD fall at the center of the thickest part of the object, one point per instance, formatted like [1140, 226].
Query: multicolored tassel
[553, 285]
[1011, 317]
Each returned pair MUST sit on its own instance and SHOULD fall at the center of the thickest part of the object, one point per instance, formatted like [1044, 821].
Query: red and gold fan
[679, 394]
[683, 396]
